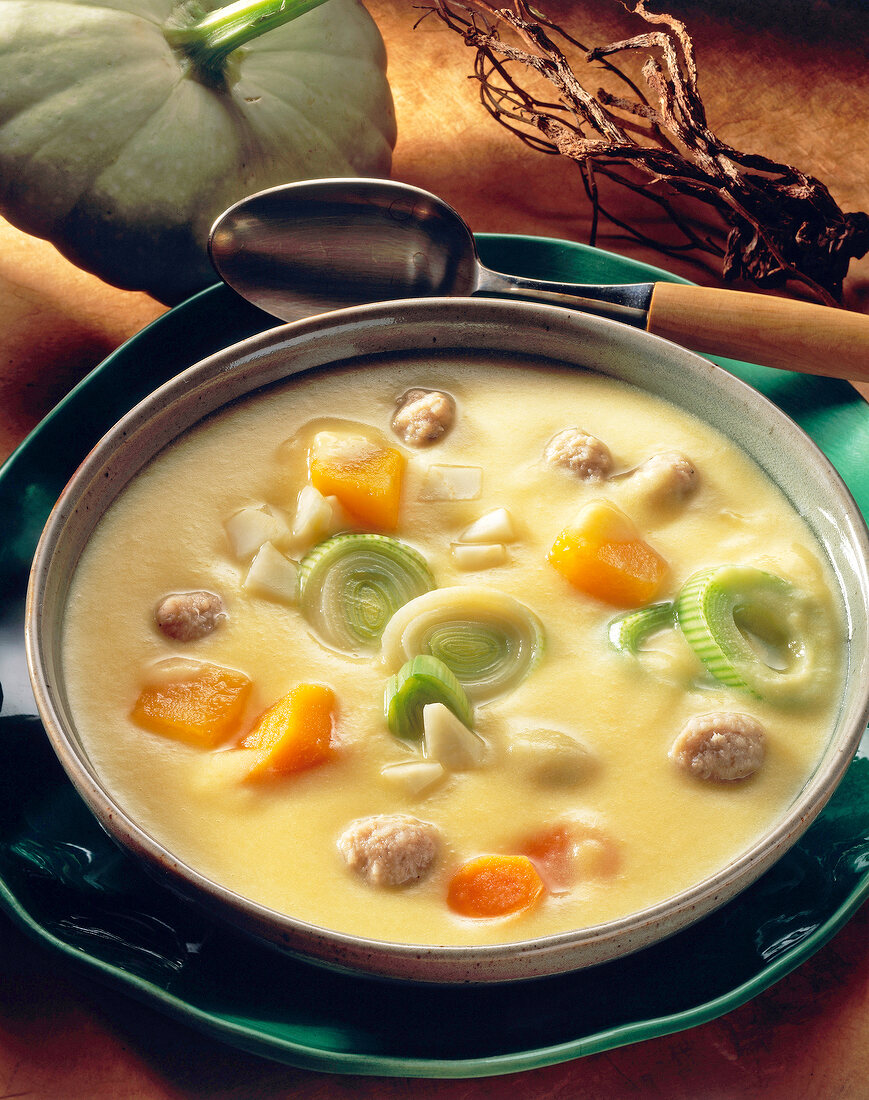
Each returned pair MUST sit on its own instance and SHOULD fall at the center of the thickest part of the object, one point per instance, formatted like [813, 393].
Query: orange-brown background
[783, 77]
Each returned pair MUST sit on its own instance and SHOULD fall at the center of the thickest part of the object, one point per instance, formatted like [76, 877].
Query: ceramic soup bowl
[458, 327]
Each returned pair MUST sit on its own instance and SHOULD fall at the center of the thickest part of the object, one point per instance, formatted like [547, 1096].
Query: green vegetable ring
[421, 681]
[487, 639]
[755, 632]
[628, 632]
[351, 585]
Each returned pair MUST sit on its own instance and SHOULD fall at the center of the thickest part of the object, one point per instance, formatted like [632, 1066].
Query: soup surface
[575, 768]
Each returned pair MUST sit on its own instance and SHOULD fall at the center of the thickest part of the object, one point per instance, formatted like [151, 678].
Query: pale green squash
[121, 149]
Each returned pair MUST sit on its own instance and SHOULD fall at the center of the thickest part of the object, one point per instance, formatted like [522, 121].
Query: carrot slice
[294, 734]
[193, 702]
[494, 886]
[602, 554]
[363, 474]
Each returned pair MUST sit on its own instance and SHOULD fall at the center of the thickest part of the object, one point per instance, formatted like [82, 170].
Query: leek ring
[352, 584]
[489, 640]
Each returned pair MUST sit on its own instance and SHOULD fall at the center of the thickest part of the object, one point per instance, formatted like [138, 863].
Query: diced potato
[550, 758]
[493, 527]
[192, 701]
[414, 776]
[478, 556]
[294, 734]
[365, 476]
[602, 554]
[446, 483]
[449, 741]
[317, 517]
[273, 575]
[669, 656]
[219, 773]
[251, 527]
[596, 854]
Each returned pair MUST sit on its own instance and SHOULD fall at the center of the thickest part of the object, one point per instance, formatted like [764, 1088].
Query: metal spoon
[305, 248]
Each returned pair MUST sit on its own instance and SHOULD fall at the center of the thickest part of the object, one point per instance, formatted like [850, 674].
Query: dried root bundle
[778, 225]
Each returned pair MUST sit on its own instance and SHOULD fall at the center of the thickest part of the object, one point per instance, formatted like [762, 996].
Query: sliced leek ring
[757, 633]
[351, 585]
[489, 640]
[419, 682]
[628, 632]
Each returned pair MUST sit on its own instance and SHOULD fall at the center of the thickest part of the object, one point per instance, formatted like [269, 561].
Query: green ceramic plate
[67, 884]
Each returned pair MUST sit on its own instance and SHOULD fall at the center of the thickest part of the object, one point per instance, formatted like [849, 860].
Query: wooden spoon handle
[759, 328]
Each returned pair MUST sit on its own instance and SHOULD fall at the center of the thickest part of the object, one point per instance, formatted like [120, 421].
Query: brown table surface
[782, 77]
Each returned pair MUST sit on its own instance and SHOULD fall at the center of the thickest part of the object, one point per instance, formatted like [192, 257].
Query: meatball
[579, 452]
[186, 616]
[721, 746]
[390, 849]
[670, 476]
[423, 416]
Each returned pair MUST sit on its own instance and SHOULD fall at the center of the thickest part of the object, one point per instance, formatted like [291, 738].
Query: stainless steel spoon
[305, 248]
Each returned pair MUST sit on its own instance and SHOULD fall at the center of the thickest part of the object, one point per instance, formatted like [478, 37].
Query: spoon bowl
[306, 248]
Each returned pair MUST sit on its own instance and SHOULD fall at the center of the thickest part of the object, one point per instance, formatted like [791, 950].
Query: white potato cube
[223, 773]
[471, 556]
[342, 447]
[448, 741]
[443, 483]
[551, 758]
[273, 575]
[414, 776]
[317, 517]
[495, 526]
[248, 529]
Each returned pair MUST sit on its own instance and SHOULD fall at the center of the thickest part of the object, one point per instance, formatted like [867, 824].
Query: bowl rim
[341, 950]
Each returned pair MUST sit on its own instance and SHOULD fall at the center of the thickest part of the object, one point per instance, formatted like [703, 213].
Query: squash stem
[208, 39]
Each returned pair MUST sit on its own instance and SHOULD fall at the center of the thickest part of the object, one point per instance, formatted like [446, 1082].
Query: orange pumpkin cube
[602, 554]
[294, 734]
[362, 473]
[192, 701]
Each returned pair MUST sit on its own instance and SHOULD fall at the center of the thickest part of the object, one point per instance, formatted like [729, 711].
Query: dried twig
[779, 225]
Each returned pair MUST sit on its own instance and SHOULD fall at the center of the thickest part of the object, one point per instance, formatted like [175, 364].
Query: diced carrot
[602, 554]
[194, 702]
[494, 886]
[363, 474]
[571, 851]
[293, 734]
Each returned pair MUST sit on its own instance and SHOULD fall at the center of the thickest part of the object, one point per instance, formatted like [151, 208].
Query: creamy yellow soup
[661, 829]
